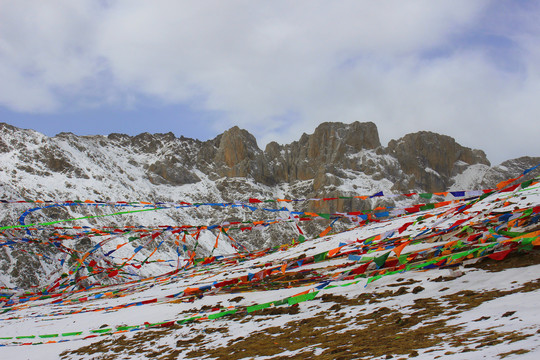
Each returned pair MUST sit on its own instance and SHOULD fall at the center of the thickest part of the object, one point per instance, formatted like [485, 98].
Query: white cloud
[279, 68]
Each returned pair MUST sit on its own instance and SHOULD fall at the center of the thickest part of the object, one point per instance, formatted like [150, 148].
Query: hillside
[433, 280]
[337, 160]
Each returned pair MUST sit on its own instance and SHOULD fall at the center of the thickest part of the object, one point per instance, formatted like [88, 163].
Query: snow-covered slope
[455, 280]
[338, 160]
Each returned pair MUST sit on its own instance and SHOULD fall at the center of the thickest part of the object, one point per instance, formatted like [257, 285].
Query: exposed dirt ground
[332, 334]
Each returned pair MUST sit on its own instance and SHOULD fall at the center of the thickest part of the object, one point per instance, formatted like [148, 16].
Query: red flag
[510, 188]
[499, 255]
[113, 273]
[360, 270]
[404, 227]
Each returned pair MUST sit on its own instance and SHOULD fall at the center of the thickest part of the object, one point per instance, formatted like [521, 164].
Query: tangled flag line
[465, 233]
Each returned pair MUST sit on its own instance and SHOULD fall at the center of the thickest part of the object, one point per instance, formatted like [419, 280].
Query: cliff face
[314, 155]
[344, 159]
[432, 159]
[423, 160]
[235, 153]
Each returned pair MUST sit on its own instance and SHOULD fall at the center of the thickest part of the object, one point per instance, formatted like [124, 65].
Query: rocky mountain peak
[314, 155]
[4, 126]
[331, 140]
[357, 135]
[231, 154]
[235, 146]
[65, 134]
[432, 158]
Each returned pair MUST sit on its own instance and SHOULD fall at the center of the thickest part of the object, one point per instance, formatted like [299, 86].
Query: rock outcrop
[432, 159]
[322, 152]
[509, 169]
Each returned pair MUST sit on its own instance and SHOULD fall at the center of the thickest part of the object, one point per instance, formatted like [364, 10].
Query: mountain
[336, 160]
[330, 157]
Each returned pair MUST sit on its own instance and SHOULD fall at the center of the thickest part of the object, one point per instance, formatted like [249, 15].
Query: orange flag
[325, 231]
[217, 238]
[400, 248]
[303, 292]
[334, 251]
[505, 183]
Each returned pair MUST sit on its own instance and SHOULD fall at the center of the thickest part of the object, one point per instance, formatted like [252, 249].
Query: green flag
[380, 260]
[320, 257]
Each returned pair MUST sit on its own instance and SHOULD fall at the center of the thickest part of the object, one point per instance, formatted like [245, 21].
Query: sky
[469, 69]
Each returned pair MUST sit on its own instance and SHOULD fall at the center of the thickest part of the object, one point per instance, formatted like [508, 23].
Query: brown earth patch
[467, 299]
[401, 282]
[279, 310]
[513, 352]
[515, 259]
[384, 332]
[110, 347]
[445, 278]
